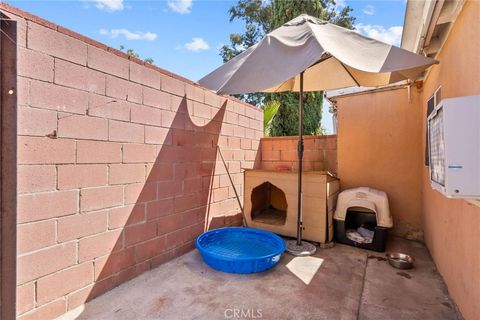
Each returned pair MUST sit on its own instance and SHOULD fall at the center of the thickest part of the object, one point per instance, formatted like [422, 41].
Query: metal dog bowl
[400, 260]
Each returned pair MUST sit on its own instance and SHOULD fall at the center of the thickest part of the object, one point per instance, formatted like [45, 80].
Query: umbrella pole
[298, 247]
[300, 162]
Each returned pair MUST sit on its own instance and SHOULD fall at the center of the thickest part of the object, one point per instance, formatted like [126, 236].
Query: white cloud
[129, 35]
[197, 44]
[369, 10]
[180, 6]
[341, 3]
[109, 5]
[391, 35]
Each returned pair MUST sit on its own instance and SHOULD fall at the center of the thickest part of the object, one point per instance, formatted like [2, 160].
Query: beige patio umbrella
[308, 54]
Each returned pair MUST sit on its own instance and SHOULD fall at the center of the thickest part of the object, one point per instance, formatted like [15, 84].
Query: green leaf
[270, 109]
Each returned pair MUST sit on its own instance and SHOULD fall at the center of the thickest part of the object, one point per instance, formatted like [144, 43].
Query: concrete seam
[363, 287]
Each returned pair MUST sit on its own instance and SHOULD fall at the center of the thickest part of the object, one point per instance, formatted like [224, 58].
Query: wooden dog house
[270, 203]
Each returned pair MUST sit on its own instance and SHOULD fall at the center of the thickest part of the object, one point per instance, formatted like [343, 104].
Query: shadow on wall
[172, 207]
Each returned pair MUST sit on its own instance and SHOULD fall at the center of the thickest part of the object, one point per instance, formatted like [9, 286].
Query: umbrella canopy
[330, 56]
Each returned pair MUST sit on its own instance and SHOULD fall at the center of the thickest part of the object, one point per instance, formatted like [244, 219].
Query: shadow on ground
[350, 284]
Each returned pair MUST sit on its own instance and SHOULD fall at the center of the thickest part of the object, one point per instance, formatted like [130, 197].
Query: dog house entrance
[357, 217]
[269, 204]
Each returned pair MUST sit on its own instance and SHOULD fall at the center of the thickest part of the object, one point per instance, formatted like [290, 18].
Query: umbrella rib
[358, 84]
[326, 57]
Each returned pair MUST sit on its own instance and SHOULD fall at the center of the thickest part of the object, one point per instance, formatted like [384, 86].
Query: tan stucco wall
[381, 140]
[452, 227]
[379, 146]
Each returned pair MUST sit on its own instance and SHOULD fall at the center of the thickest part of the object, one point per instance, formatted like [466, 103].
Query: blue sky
[184, 36]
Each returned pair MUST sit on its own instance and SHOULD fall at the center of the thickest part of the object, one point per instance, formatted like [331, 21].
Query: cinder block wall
[320, 153]
[117, 165]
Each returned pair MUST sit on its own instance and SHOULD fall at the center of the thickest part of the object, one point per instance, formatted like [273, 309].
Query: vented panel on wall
[454, 147]
[437, 148]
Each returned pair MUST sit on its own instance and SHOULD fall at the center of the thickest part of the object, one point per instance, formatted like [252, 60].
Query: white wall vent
[454, 140]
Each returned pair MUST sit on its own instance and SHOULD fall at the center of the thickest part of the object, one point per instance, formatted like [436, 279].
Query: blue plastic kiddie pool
[240, 250]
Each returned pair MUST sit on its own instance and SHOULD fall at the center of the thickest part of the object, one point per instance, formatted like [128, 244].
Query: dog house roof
[365, 198]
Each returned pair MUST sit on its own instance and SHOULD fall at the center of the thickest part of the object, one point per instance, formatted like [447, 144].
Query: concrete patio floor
[350, 284]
